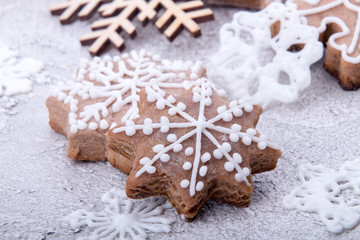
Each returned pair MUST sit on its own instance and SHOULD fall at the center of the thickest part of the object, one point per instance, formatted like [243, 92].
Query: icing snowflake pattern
[15, 73]
[123, 217]
[320, 6]
[257, 67]
[324, 191]
[120, 88]
[199, 127]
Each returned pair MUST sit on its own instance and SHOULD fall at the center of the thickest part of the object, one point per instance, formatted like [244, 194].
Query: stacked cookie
[164, 124]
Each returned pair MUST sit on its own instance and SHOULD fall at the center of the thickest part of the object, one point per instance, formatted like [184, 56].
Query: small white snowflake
[115, 84]
[326, 192]
[124, 217]
[15, 73]
[198, 127]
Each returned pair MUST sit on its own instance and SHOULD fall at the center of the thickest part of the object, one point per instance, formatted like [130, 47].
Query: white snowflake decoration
[323, 191]
[123, 217]
[120, 88]
[258, 68]
[200, 126]
[15, 73]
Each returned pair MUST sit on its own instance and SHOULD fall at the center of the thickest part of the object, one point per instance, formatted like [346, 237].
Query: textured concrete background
[39, 186]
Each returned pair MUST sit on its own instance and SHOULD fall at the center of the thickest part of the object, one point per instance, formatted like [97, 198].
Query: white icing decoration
[124, 218]
[322, 190]
[16, 73]
[118, 89]
[346, 50]
[184, 183]
[198, 129]
[252, 65]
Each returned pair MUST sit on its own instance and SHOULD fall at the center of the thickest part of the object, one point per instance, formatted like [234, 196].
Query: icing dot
[151, 97]
[247, 141]
[205, 157]
[144, 160]
[189, 151]
[171, 138]
[150, 169]
[184, 183]
[208, 92]
[171, 99]
[164, 129]
[221, 109]
[172, 111]
[93, 125]
[158, 148]
[203, 171]
[217, 154]
[236, 127]
[177, 148]
[226, 146]
[165, 158]
[196, 97]
[229, 166]
[238, 112]
[148, 121]
[227, 117]
[199, 186]
[147, 130]
[104, 124]
[246, 171]
[160, 104]
[234, 137]
[61, 96]
[181, 106]
[251, 131]
[81, 125]
[237, 158]
[182, 75]
[187, 166]
[208, 102]
[130, 131]
[73, 108]
[73, 129]
[67, 99]
[116, 58]
[239, 177]
[232, 104]
[248, 108]
[261, 145]
[196, 89]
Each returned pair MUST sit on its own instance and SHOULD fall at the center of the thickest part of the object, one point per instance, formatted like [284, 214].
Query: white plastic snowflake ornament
[326, 192]
[265, 56]
[15, 73]
[123, 217]
[195, 141]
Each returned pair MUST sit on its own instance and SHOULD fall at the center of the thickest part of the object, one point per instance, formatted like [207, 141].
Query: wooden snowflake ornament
[119, 13]
[72, 9]
[192, 147]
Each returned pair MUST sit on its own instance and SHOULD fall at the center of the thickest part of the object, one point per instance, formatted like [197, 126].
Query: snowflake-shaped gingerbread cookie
[193, 147]
[106, 92]
[123, 218]
[338, 21]
[266, 56]
[334, 195]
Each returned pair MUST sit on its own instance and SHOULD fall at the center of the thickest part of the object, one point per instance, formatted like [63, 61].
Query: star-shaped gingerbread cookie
[192, 147]
[338, 22]
[106, 92]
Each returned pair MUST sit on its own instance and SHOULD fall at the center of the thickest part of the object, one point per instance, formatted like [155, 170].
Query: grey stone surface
[39, 186]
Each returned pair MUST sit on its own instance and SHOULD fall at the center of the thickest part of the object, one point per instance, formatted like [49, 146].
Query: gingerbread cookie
[106, 92]
[193, 147]
[250, 4]
[339, 25]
